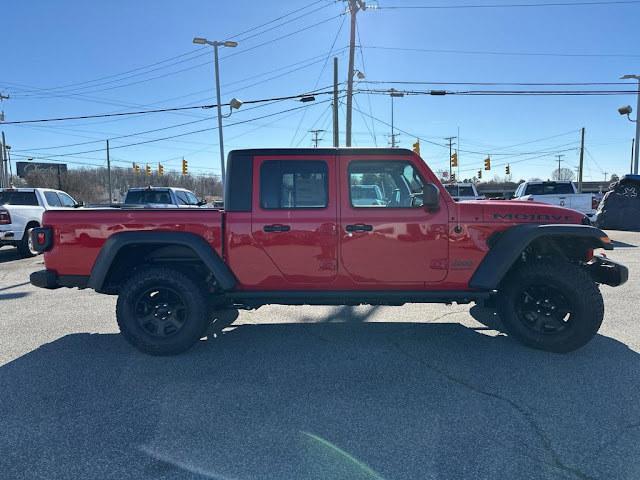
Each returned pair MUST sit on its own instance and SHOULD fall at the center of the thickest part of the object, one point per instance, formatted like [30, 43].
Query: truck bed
[87, 230]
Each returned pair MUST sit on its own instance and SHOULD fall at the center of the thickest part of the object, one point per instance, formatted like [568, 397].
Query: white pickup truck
[162, 197]
[21, 210]
[463, 191]
[558, 192]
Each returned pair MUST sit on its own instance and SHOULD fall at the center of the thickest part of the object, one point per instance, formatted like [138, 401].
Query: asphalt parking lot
[419, 391]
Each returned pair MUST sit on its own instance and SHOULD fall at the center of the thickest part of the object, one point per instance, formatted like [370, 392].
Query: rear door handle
[359, 228]
[276, 228]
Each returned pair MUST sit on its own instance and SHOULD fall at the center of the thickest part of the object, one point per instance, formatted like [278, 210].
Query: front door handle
[359, 228]
[276, 228]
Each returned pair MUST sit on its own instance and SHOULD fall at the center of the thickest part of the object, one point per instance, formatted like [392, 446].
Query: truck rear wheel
[161, 311]
[551, 305]
[25, 247]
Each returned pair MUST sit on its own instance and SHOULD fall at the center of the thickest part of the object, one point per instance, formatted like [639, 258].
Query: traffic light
[453, 176]
[160, 169]
[479, 173]
[507, 169]
[454, 160]
[136, 168]
[184, 166]
[416, 147]
[148, 170]
[487, 163]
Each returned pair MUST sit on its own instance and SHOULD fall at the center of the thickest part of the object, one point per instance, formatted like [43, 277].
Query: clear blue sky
[56, 56]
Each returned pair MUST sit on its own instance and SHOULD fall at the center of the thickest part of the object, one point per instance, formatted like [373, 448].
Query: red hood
[527, 212]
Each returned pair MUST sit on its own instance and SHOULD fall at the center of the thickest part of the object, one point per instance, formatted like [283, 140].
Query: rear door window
[52, 199]
[293, 184]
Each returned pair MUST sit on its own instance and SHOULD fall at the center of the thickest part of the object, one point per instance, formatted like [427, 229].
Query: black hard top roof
[322, 151]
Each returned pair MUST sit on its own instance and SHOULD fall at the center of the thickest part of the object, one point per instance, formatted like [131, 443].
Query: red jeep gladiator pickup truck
[292, 233]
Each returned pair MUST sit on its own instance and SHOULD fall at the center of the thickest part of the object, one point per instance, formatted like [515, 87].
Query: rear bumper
[609, 272]
[7, 236]
[51, 280]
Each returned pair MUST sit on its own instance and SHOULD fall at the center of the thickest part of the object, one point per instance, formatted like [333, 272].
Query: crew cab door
[294, 215]
[389, 241]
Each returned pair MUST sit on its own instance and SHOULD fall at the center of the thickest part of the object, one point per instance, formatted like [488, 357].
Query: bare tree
[563, 174]
[92, 186]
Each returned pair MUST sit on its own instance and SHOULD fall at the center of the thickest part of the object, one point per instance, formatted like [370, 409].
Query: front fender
[512, 242]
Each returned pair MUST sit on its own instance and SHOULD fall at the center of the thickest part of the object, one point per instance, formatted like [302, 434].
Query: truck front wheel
[161, 311]
[551, 305]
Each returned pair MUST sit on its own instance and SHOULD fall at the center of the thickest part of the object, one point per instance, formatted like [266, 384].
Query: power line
[187, 133]
[480, 52]
[190, 53]
[511, 5]
[320, 75]
[500, 83]
[161, 110]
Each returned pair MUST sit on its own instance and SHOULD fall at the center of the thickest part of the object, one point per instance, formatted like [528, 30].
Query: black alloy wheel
[544, 309]
[161, 311]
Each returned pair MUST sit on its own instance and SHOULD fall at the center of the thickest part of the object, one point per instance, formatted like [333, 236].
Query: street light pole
[220, 136]
[215, 45]
[637, 147]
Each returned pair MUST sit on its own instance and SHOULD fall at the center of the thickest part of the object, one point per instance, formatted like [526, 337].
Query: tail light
[42, 239]
[5, 218]
[594, 203]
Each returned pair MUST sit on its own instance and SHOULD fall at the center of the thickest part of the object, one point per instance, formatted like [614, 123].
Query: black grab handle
[276, 228]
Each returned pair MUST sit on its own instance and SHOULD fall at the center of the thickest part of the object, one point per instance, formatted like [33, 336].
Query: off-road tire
[570, 287]
[24, 247]
[183, 293]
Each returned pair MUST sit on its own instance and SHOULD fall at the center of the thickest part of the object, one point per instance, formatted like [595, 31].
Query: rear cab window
[148, 197]
[18, 198]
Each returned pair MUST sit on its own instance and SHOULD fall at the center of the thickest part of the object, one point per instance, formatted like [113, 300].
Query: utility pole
[5, 170]
[316, 133]
[559, 160]
[109, 174]
[354, 7]
[581, 162]
[451, 144]
[605, 176]
[336, 137]
[633, 140]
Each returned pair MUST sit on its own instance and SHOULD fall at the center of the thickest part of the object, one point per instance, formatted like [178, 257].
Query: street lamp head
[200, 41]
[229, 43]
[307, 98]
[235, 103]
[626, 110]
[627, 77]
[359, 74]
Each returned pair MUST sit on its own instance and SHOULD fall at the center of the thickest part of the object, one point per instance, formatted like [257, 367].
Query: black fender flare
[512, 242]
[199, 245]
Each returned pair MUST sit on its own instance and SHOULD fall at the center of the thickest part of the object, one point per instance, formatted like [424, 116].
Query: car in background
[21, 210]
[558, 192]
[461, 192]
[162, 197]
[369, 195]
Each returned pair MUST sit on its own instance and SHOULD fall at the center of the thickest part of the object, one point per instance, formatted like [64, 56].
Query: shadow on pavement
[350, 400]
[9, 255]
[12, 296]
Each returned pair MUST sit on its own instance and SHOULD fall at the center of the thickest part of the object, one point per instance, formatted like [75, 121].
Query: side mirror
[78, 205]
[201, 202]
[431, 198]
